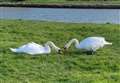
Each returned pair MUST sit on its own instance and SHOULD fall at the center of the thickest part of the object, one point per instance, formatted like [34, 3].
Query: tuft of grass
[71, 67]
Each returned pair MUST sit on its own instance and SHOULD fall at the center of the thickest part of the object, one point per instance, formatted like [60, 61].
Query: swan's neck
[75, 41]
[47, 48]
[51, 44]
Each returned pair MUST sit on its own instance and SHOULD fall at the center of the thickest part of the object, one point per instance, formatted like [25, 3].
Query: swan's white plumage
[33, 48]
[89, 44]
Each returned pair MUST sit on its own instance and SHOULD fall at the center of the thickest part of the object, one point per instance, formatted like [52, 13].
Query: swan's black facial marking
[60, 51]
[65, 48]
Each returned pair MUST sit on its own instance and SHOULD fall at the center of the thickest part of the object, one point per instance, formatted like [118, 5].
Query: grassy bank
[108, 4]
[44, 1]
[72, 1]
[72, 67]
[67, 1]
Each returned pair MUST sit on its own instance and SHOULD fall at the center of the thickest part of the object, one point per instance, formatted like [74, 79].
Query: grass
[71, 67]
[72, 1]
[66, 1]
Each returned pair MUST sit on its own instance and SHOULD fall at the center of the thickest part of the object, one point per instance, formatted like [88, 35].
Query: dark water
[62, 15]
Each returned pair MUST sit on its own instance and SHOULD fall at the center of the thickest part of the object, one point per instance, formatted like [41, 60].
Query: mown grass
[71, 67]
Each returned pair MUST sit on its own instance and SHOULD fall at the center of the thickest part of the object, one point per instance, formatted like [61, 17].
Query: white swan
[90, 44]
[34, 48]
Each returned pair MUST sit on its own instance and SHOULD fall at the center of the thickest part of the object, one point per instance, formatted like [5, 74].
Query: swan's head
[74, 40]
[57, 49]
[65, 47]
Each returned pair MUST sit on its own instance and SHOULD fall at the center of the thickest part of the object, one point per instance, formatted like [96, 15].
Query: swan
[34, 48]
[90, 44]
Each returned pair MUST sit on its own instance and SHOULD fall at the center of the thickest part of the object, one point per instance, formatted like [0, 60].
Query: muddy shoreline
[56, 5]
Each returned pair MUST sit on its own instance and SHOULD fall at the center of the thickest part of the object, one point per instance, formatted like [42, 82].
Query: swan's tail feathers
[13, 50]
[108, 43]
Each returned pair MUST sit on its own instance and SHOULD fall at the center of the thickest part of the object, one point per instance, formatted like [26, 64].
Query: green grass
[71, 1]
[71, 67]
[66, 1]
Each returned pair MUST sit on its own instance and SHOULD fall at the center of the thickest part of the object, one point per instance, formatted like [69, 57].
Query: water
[62, 15]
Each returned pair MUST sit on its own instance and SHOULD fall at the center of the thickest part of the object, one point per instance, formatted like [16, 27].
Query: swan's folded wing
[31, 48]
